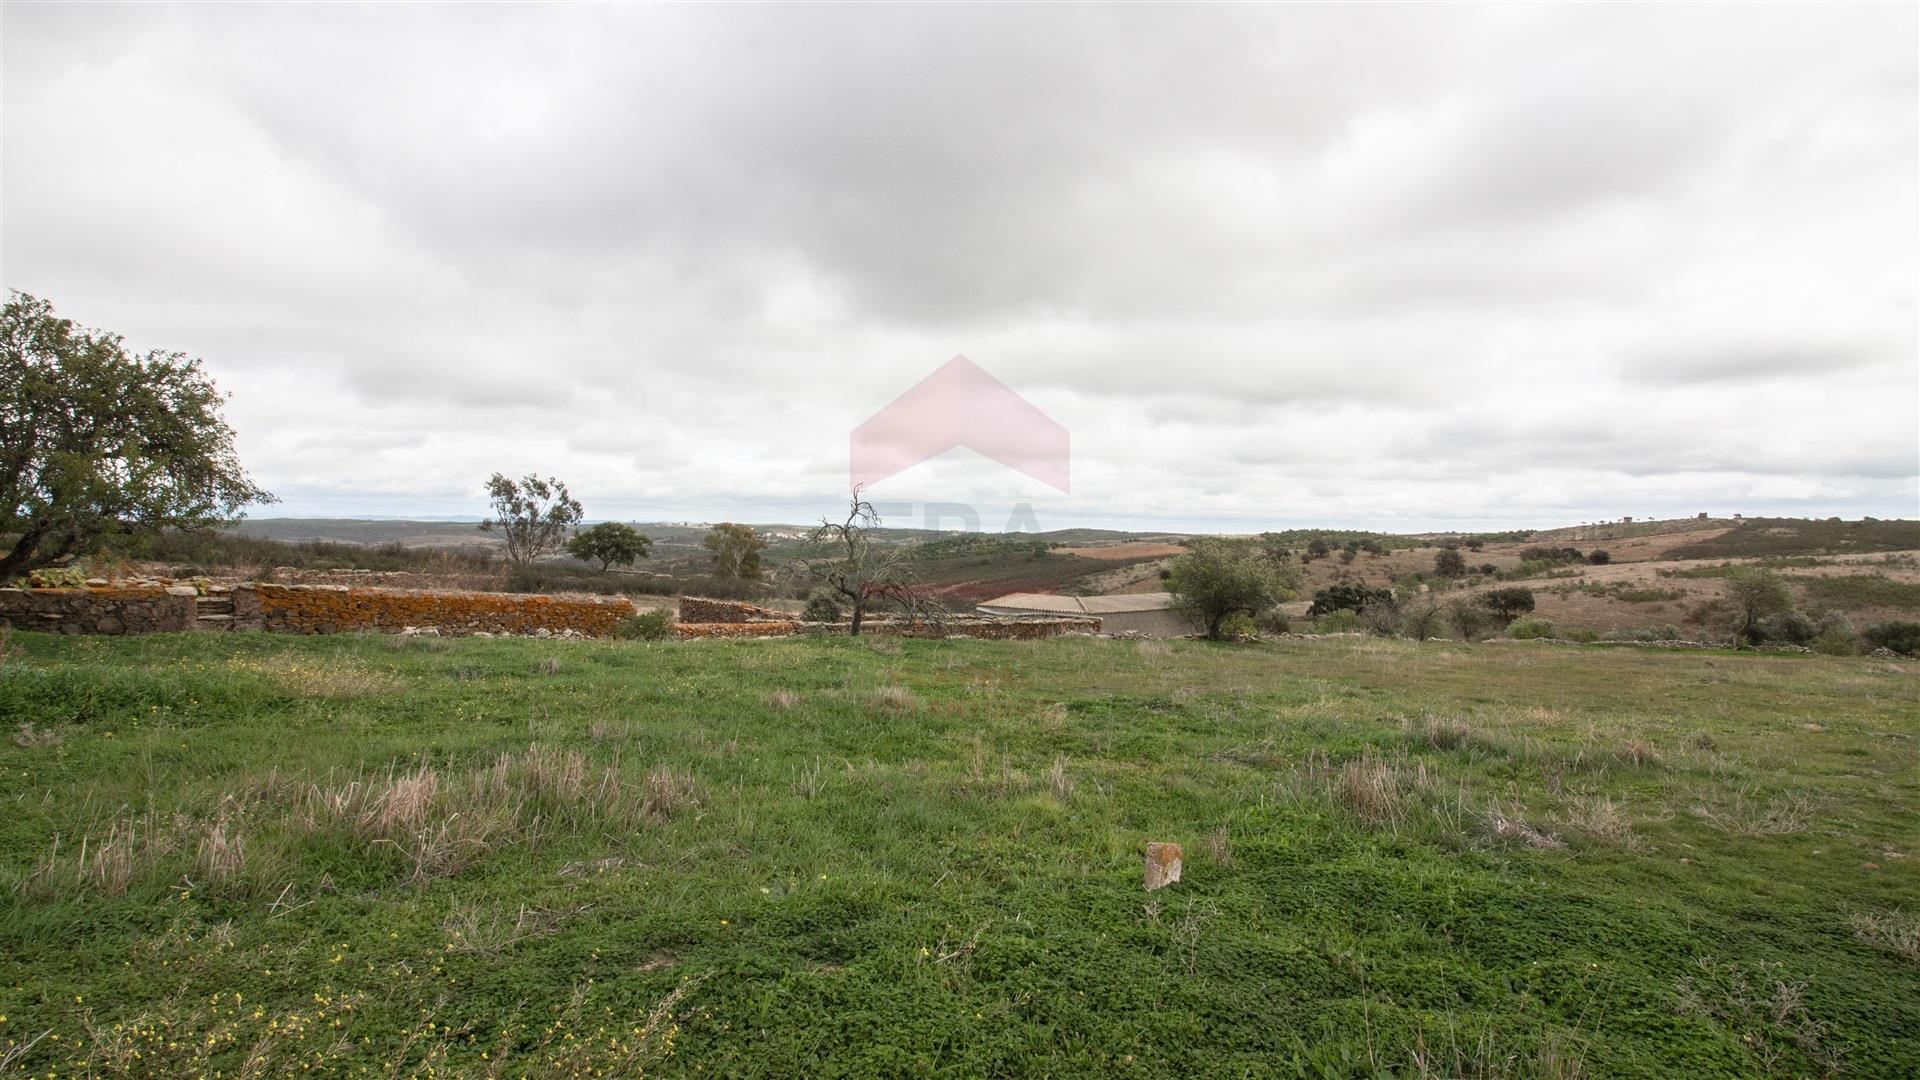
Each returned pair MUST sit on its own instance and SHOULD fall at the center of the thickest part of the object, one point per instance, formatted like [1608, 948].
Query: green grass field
[251, 855]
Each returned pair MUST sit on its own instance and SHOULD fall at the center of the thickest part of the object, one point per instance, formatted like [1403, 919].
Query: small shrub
[1582, 634]
[1898, 635]
[822, 606]
[1596, 557]
[655, 625]
[1274, 621]
[1834, 641]
[1530, 628]
[1343, 621]
[1784, 628]
[1237, 626]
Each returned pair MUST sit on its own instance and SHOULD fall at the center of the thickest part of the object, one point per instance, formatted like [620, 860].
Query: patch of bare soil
[1113, 552]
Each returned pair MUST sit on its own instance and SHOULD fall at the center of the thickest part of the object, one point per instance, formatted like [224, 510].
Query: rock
[182, 590]
[1163, 865]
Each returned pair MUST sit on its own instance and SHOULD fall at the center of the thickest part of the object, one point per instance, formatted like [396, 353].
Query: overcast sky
[1392, 267]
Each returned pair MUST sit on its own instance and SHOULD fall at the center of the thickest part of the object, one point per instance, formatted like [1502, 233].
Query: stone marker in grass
[1163, 865]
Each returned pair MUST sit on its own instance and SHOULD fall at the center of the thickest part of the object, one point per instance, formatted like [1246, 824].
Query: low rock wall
[333, 609]
[109, 610]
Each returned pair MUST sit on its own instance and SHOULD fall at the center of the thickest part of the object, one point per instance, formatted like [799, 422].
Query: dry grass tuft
[668, 792]
[1895, 931]
[1747, 816]
[1639, 752]
[1514, 829]
[896, 698]
[223, 852]
[30, 736]
[1220, 847]
[1447, 734]
[1369, 788]
[549, 666]
[1058, 779]
[781, 700]
[1602, 819]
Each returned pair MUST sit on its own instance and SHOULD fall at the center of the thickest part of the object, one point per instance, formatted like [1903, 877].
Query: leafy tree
[858, 569]
[1219, 578]
[1753, 594]
[1599, 557]
[735, 550]
[1317, 548]
[96, 441]
[1509, 603]
[531, 514]
[1347, 596]
[609, 543]
[1449, 563]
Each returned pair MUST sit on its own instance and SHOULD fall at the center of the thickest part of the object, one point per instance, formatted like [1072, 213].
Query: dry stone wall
[108, 610]
[696, 609]
[333, 609]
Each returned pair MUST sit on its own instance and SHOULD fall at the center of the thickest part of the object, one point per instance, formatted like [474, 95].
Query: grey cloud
[1307, 256]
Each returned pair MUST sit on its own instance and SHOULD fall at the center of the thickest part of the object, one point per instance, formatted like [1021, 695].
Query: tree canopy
[734, 550]
[96, 441]
[531, 514]
[1219, 578]
[609, 543]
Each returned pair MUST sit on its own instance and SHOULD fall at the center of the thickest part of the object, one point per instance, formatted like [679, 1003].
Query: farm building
[1151, 614]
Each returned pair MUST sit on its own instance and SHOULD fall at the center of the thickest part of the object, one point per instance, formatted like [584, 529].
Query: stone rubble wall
[334, 609]
[962, 626]
[100, 610]
[695, 609]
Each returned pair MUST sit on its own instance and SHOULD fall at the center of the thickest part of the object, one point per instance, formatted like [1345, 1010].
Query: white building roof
[1051, 604]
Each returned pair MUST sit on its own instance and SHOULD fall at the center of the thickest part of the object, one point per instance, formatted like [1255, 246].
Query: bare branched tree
[863, 572]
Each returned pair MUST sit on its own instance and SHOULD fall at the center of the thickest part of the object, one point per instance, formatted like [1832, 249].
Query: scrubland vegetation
[242, 854]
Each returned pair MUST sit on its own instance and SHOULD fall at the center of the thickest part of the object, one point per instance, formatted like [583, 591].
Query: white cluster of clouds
[1374, 265]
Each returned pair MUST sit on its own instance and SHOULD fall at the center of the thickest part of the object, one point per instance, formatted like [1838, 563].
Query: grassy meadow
[244, 855]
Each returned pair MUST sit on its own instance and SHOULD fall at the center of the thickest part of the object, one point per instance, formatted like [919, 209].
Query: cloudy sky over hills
[1397, 267]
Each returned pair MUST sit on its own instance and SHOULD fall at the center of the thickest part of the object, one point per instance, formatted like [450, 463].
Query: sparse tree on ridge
[609, 543]
[734, 551]
[532, 515]
[96, 441]
[1508, 603]
[1449, 563]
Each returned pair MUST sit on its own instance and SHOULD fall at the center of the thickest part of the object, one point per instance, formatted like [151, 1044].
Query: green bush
[1784, 628]
[1899, 635]
[1347, 596]
[822, 606]
[1341, 621]
[1275, 621]
[655, 625]
[1834, 641]
[1508, 603]
[1236, 625]
[1529, 628]
[1584, 635]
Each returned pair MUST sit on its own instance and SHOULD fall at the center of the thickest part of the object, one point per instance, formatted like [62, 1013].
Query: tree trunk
[859, 615]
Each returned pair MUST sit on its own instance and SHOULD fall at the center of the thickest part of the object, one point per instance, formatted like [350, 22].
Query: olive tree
[609, 543]
[96, 441]
[531, 514]
[1218, 578]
